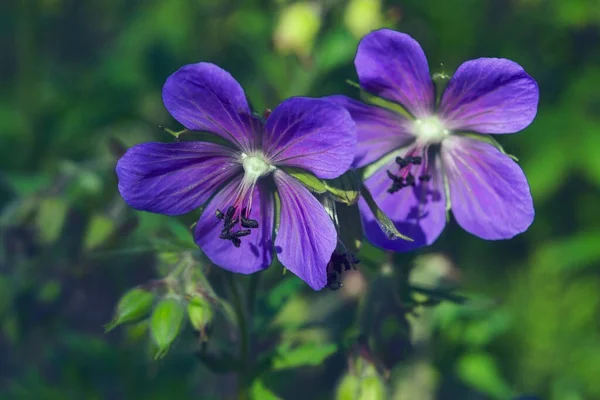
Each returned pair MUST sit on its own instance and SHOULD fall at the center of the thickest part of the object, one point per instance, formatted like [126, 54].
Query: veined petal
[418, 212]
[312, 134]
[306, 237]
[174, 178]
[393, 65]
[378, 131]
[204, 97]
[489, 192]
[255, 251]
[490, 95]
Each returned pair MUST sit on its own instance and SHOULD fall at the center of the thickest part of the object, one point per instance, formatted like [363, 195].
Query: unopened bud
[200, 314]
[133, 305]
[165, 324]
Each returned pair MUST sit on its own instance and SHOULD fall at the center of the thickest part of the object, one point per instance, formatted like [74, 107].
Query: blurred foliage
[76, 75]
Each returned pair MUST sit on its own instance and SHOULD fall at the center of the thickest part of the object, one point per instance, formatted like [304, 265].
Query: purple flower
[427, 156]
[242, 183]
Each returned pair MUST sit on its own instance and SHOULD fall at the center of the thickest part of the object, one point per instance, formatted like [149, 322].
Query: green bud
[372, 388]
[348, 388]
[200, 314]
[133, 305]
[165, 324]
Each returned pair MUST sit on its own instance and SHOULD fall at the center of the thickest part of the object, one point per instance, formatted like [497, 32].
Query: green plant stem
[244, 338]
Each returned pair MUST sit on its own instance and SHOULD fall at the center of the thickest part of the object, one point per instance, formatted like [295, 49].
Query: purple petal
[393, 65]
[255, 251]
[418, 212]
[306, 237]
[312, 134]
[204, 97]
[379, 131]
[490, 95]
[174, 178]
[489, 192]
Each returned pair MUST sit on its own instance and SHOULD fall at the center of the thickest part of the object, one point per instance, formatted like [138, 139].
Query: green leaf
[51, 218]
[259, 391]
[313, 183]
[385, 223]
[309, 354]
[98, 231]
[345, 189]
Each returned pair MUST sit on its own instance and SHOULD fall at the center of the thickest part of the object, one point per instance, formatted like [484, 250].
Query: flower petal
[490, 95]
[393, 65]
[306, 237]
[255, 251]
[174, 178]
[489, 192]
[204, 97]
[378, 131]
[312, 134]
[418, 212]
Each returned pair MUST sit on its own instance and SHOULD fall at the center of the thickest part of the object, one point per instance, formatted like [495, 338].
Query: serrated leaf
[51, 217]
[309, 354]
[309, 180]
[385, 223]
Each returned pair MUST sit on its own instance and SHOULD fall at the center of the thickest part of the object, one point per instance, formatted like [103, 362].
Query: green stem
[243, 327]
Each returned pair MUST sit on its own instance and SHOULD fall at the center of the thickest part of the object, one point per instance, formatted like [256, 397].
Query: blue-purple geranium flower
[433, 155]
[238, 181]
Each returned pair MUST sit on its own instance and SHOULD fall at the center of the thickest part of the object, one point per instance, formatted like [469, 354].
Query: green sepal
[345, 189]
[489, 140]
[385, 223]
[380, 102]
[172, 132]
[309, 180]
[350, 227]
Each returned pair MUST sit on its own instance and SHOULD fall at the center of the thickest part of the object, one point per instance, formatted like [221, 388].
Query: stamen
[229, 222]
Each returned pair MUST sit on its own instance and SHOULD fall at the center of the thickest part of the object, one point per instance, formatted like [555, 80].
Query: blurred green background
[74, 74]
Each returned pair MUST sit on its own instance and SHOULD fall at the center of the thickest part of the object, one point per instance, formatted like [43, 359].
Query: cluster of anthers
[229, 222]
[405, 177]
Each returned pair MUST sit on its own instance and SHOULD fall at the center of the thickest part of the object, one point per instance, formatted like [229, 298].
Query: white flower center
[430, 130]
[255, 166]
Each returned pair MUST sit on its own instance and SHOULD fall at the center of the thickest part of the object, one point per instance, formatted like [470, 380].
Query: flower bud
[165, 324]
[368, 385]
[200, 314]
[133, 305]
